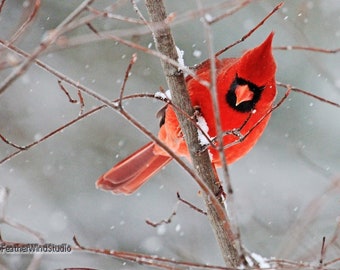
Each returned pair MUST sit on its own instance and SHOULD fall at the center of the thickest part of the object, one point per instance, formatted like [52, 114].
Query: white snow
[180, 59]
[197, 53]
[162, 95]
[203, 136]
[178, 227]
[262, 261]
[208, 17]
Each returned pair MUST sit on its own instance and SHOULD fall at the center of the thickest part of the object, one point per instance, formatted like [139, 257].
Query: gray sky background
[52, 186]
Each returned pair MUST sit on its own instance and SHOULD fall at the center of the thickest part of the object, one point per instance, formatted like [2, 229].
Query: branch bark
[180, 98]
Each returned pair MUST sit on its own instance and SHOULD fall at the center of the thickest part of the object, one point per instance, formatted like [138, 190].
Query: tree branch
[201, 162]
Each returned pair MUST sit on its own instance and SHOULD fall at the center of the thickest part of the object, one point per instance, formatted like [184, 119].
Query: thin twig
[305, 48]
[50, 38]
[110, 15]
[238, 131]
[229, 12]
[164, 221]
[216, 108]
[174, 212]
[229, 201]
[251, 31]
[70, 99]
[3, 138]
[25, 24]
[322, 252]
[287, 264]
[48, 135]
[180, 18]
[143, 49]
[191, 205]
[4, 219]
[127, 74]
[332, 262]
[298, 90]
[68, 124]
[335, 236]
[139, 13]
[273, 108]
[81, 101]
[145, 259]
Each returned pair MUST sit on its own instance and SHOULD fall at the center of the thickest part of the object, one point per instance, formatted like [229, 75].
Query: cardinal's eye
[243, 95]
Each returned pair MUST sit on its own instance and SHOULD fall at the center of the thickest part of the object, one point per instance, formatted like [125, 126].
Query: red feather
[246, 91]
[129, 174]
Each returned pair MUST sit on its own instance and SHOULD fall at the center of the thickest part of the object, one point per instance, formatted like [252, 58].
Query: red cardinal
[246, 91]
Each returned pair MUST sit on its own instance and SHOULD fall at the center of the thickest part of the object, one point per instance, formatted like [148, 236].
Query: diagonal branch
[50, 38]
[201, 162]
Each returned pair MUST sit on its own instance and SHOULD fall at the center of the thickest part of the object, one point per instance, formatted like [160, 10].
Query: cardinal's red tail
[129, 174]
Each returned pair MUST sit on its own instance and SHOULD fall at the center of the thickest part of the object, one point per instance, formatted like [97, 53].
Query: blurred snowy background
[52, 186]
